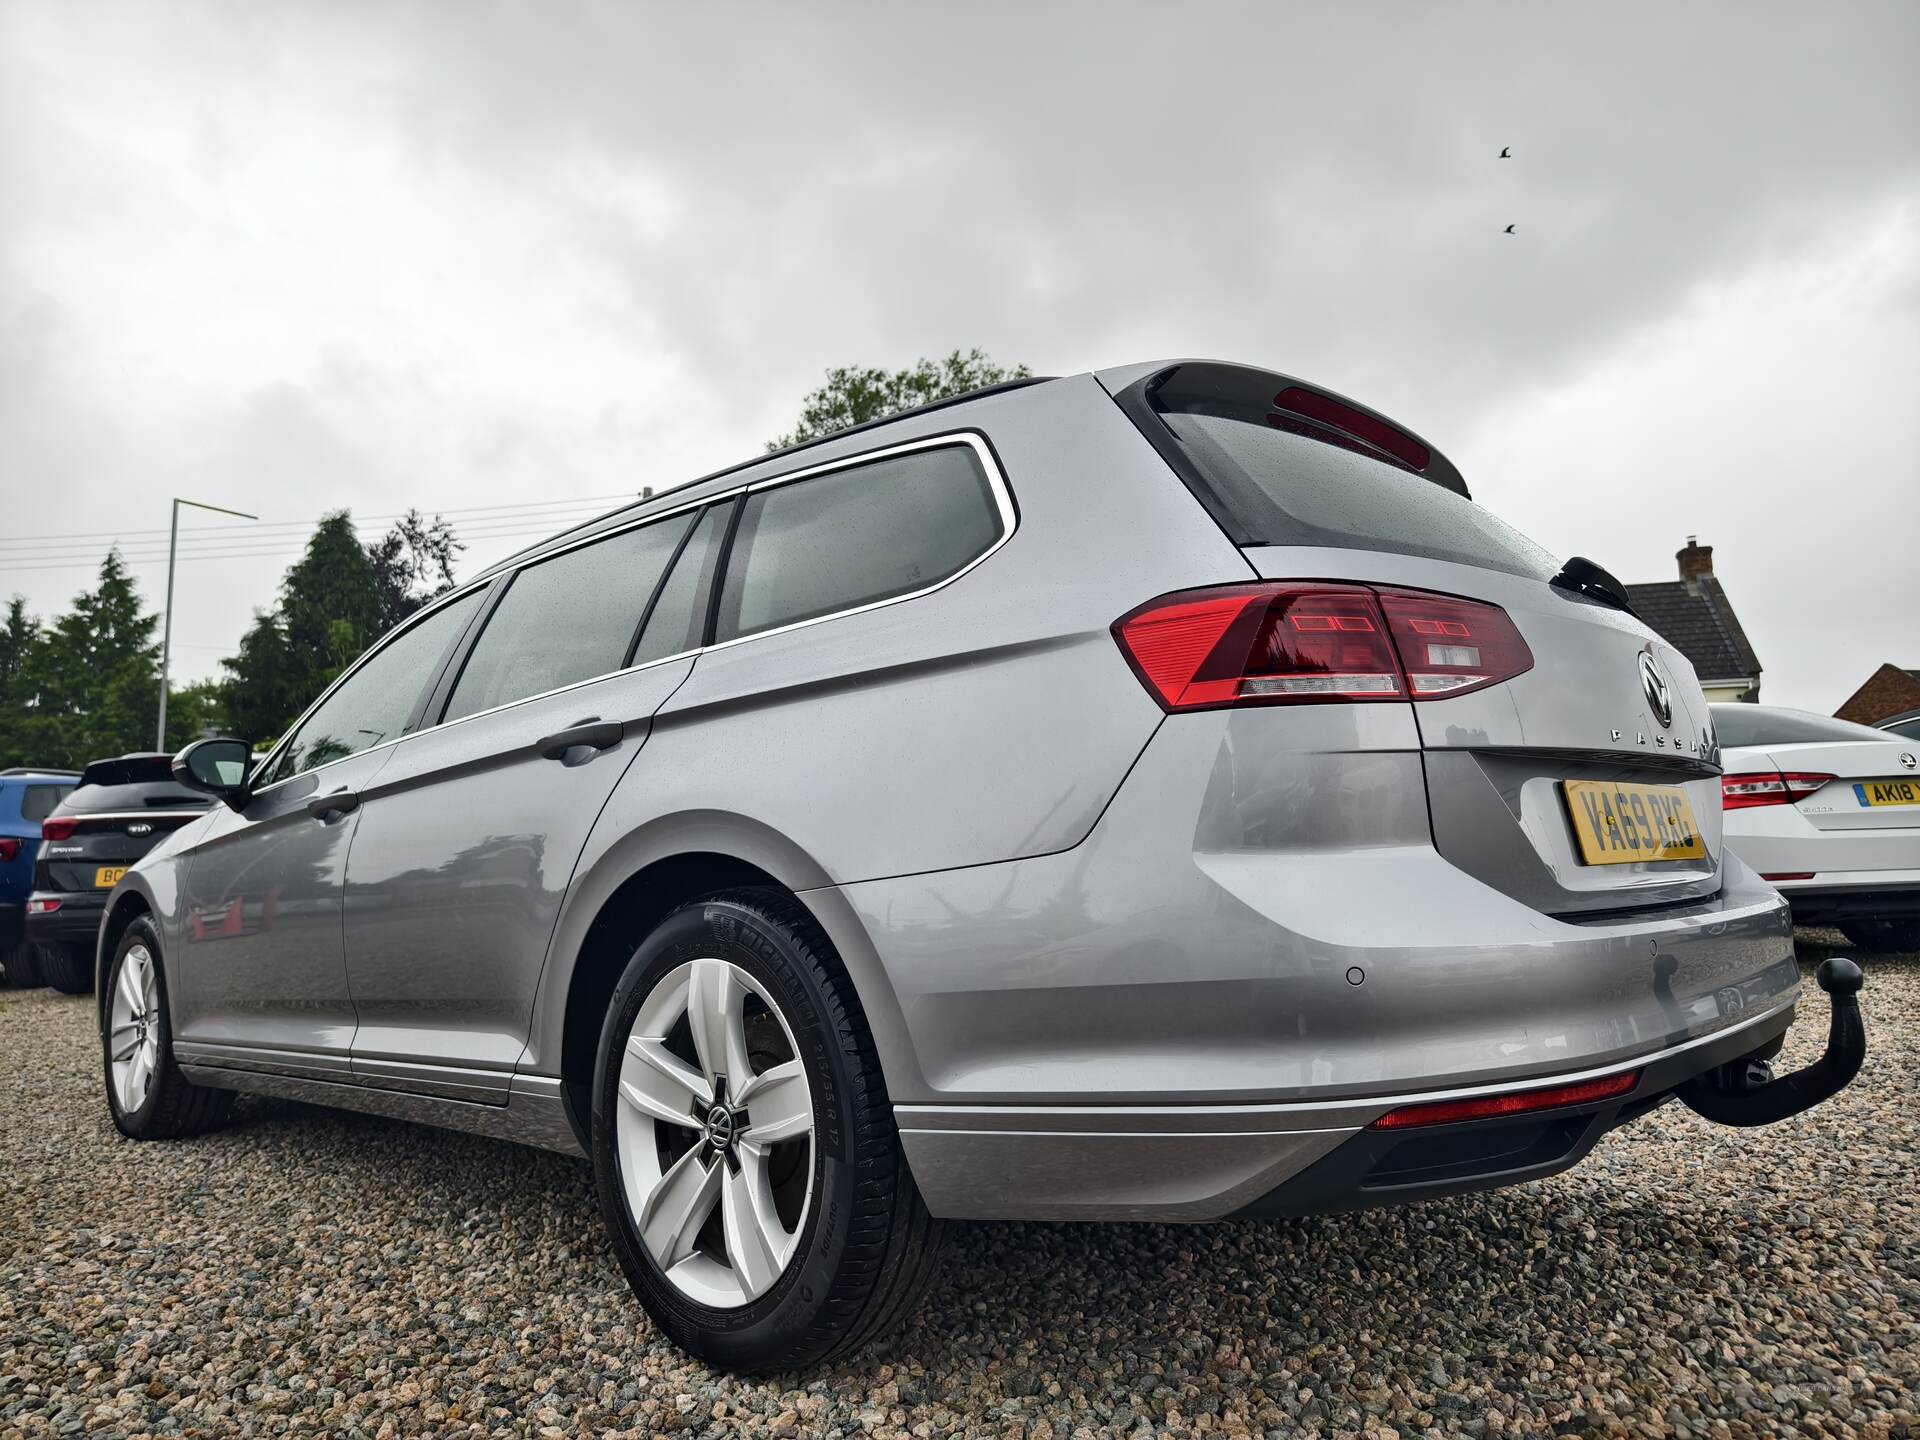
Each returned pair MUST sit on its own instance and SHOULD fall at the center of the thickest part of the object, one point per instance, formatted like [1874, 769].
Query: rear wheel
[21, 960]
[1895, 935]
[67, 968]
[149, 1098]
[746, 1157]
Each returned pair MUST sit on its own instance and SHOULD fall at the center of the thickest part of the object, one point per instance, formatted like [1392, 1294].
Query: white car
[1829, 813]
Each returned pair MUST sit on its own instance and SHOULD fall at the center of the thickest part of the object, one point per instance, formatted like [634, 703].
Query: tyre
[744, 1148]
[22, 963]
[149, 1097]
[1895, 935]
[67, 968]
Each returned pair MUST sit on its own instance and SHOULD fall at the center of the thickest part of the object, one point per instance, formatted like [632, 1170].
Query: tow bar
[1745, 1092]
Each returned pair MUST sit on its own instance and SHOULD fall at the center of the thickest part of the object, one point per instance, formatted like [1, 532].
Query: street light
[166, 632]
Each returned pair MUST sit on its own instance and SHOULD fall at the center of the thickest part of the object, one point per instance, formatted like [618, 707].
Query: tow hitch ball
[1744, 1092]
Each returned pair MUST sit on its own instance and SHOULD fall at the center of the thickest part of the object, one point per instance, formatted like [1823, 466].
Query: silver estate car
[1157, 794]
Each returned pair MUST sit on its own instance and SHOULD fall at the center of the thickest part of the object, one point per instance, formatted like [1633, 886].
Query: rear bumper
[1191, 1163]
[76, 922]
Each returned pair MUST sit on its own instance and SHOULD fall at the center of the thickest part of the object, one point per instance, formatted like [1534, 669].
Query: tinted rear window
[150, 795]
[1286, 480]
[1765, 725]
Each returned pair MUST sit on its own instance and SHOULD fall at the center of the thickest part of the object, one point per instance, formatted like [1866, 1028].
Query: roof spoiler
[128, 769]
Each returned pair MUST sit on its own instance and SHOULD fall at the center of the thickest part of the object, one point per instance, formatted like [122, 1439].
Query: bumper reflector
[1520, 1102]
[42, 907]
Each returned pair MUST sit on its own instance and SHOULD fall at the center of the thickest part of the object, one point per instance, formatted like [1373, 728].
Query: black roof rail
[47, 770]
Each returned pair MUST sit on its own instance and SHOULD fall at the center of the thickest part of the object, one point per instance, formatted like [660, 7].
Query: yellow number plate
[108, 876]
[1618, 824]
[1888, 792]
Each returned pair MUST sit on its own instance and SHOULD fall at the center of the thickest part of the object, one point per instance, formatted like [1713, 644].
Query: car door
[261, 979]
[469, 835]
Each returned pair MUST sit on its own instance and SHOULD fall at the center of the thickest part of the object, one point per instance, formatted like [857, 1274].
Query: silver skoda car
[1157, 794]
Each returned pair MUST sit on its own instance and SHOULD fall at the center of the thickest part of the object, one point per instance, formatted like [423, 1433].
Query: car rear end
[1418, 887]
[27, 796]
[119, 810]
[1832, 822]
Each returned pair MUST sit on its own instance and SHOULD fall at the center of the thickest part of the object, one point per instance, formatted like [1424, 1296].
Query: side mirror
[216, 767]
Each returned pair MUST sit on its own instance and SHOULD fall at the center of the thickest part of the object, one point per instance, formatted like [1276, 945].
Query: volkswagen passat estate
[1159, 794]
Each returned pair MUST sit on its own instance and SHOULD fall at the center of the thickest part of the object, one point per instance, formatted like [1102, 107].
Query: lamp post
[166, 630]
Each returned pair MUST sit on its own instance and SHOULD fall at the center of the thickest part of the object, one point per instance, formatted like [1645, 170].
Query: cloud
[460, 255]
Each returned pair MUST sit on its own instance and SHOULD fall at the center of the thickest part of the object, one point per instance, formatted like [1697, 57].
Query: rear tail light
[1489, 1107]
[1767, 787]
[58, 828]
[9, 848]
[37, 906]
[1314, 643]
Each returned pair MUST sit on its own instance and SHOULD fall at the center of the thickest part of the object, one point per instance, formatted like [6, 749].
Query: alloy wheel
[133, 1036]
[715, 1133]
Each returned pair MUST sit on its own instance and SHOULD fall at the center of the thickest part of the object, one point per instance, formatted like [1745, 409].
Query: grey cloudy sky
[295, 258]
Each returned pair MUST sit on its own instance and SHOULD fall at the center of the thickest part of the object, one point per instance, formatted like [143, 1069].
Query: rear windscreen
[149, 795]
[1768, 725]
[1285, 479]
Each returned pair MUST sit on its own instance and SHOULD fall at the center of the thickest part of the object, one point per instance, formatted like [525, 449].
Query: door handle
[593, 733]
[340, 802]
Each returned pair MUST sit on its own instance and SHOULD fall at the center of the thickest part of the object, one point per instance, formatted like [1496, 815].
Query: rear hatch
[1576, 773]
[1861, 787]
[117, 813]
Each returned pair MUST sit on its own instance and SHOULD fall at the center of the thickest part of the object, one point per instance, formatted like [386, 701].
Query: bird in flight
[1507, 231]
[1506, 152]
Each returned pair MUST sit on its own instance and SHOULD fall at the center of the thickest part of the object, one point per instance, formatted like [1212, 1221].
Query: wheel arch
[636, 882]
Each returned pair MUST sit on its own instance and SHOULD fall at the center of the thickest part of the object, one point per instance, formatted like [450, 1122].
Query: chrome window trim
[1004, 506]
[131, 815]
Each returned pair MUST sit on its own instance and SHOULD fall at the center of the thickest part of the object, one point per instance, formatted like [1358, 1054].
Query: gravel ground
[310, 1272]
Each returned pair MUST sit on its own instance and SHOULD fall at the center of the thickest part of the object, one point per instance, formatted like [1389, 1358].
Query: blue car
[27, 796]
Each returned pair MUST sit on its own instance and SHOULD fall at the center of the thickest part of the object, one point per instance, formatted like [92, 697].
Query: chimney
[1695, 560]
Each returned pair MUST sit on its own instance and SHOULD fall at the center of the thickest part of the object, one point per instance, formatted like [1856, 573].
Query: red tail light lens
[38, 906]
[9, 848]
[58, 828]
[1449, 646]
[1767, 787]
[1524, 1102]
[1315, 643]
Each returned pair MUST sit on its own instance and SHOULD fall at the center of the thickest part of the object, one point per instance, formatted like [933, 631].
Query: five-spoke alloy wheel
[744, 1148]
[133, 1028]
[715, 1131]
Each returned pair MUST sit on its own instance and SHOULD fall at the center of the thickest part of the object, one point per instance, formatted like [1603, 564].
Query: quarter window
[567, 619]
[851, 537]
[372, 704]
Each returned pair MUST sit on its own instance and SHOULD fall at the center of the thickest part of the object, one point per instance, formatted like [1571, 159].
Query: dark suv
[27, 796]
[116, 813]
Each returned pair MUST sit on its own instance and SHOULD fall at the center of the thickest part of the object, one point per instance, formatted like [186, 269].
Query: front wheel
[149, 1097]
[1883, 935]
[745, 1153]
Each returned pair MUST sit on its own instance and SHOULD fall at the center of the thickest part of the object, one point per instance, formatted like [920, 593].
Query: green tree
[412, 563]
[259, 692]
[19, 637]
[195, 710]
[91, 684]
[329, 606]
[856, 394]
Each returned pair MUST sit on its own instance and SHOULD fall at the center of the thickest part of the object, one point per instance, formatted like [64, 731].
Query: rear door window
[567, 619]
[851, 537]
